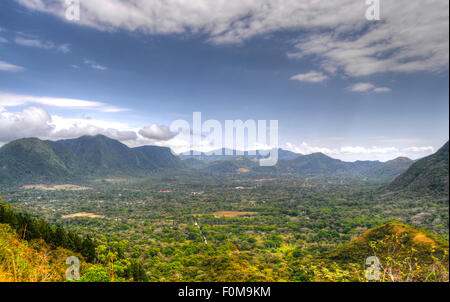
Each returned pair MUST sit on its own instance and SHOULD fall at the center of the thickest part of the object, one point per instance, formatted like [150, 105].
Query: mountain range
[35, 160]
[293, 163]
[220, 154]
[32, 159]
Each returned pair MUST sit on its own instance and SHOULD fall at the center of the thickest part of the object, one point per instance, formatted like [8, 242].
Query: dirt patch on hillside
[67, 187]
[232, 214]
[421, 238]
[83, 215]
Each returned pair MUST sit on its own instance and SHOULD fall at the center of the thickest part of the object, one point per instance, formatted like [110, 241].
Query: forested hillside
[32, 160]
[427, 176]
[33, 250]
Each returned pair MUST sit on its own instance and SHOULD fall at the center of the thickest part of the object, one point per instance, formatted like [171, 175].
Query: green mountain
[105, 154]
[238, 165]
[219, 155]
[159, 157]
[426, 176]
[321, 164]
[315, 164]
[195, 164]
[34, 160]
[390, 169]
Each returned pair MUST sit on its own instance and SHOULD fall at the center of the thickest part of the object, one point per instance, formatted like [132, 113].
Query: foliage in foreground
[29, 261]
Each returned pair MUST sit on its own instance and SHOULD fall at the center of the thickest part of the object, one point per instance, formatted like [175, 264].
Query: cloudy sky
[336, 82]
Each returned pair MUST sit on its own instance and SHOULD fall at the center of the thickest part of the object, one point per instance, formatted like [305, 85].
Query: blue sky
[344, 86]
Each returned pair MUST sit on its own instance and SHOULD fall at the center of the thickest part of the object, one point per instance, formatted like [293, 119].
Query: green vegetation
[30, 228]
[33, 261]
[427, 176]
[186, 225]
[33, 250]
[32, 160]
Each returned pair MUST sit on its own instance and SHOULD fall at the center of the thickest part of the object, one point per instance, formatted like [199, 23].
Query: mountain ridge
[428, 175]
[32, 159]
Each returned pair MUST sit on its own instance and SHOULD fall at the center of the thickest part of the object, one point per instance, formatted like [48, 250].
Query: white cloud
[370, 150]
[310, 77]
[157, 132]
[31, 41]
[305, 148]
[397, 140]
[77, 130]
[224, 21]
[64, 48]
[353, 153]
[64, 122]
[412, 35]
[419, 149]
[11, 100]
[31, 122]
[37, 122]
[361, 87]
[368, 87]
[408, 39]
[94, 65]
[382, 89]
[34, 43]
[3, 40]
[4, 66]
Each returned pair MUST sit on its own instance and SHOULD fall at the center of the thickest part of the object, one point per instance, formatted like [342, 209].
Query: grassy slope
[421, 240]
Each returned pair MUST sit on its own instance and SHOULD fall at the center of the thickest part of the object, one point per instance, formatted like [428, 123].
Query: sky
[338, 83]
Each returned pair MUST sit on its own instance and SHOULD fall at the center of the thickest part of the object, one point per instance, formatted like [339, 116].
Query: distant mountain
[34, 160]
[212, 156]
[391, 169]
[365, 166]
[287, 155]
[315, 164]
[321, 164]
[196, 164]
[239, 165]
[426, 176]
[219, 155]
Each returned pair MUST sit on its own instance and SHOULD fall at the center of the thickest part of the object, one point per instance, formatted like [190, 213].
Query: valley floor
[238, 228]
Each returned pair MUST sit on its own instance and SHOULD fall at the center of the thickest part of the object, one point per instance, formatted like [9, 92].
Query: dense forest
[219, 224]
